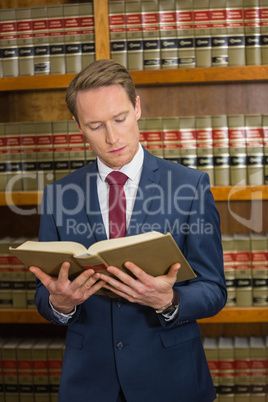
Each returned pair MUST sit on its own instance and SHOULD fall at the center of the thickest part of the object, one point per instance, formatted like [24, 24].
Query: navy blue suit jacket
[112, 343]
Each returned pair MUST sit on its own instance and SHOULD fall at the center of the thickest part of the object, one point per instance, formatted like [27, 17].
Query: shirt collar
[131, 169]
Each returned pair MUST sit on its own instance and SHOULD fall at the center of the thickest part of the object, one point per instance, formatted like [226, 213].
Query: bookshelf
[196, 91]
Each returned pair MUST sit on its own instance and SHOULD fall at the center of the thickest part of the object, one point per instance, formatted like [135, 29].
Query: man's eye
[120, 120]
[94, 128]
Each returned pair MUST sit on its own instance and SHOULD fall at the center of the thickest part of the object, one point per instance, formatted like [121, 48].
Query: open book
[153, 252]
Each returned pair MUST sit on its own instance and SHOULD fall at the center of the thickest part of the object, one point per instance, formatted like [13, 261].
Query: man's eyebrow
[115, 116]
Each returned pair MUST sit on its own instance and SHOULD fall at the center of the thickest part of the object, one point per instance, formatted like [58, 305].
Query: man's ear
[138, 108]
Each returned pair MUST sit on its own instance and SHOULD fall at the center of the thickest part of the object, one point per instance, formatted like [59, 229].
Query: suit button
[119, 303]
[120, 345]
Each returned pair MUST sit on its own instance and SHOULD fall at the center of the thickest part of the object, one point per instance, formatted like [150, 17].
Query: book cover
[73, 47]
[76, 146]
[2, 158]
[226, 388]
[56, 39]
[204, 144]
[153, 252]
[257, 368]
[243, 271]
[265, 145]
[242, 369]
[187, 137]
[5, 274]
[44, 153]
[87, 36]
[25, 370]
[264, 31]
[10, 370]
[117, 28]
[220, 150]
[40, 40]
[13, 157]
[202, 33]
[229, 260]
[154, 135]
[259, 253]
[237, 150]
[235, 33]
[252, 32]
[168, 34]
[60, 149]
[134, 35]
[151, 36]
[254, 139]
[40, 370]
[25, 41]
[185, 33]
[171, 138]
[28, 156]
[10, 66]
[219, 40]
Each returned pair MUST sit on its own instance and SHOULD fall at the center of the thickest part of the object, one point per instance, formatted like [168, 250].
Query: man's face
[109, 122]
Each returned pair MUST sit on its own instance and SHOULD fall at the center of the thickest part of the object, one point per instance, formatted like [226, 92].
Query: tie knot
[116, 177]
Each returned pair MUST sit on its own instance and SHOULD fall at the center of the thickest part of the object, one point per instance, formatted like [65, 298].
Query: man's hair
[100, 73]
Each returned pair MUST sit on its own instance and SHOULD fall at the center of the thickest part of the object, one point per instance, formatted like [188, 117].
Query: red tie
[117, 204]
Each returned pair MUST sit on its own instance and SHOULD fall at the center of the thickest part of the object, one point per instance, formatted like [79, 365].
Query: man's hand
[144, 289]
[66, 294]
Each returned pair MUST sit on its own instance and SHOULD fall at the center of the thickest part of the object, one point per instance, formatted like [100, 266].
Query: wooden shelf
[230, 193]
[148, 77]
[227, 315]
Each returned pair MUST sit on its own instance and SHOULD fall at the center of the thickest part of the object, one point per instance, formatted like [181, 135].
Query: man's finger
[64, 272]
[44, 278]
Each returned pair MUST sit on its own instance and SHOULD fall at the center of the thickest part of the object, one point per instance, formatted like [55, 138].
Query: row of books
[246, 269]
[46, 40]
[232, 149]
[155, 34]
[238, 367]
[30, 368]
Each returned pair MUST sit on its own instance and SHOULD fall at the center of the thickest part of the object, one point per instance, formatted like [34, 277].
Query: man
[144, 345]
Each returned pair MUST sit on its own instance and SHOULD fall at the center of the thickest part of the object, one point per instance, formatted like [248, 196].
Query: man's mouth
[117, 151]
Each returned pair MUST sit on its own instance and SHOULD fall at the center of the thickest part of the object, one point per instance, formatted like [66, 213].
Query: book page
[53, 246]
[121, 241]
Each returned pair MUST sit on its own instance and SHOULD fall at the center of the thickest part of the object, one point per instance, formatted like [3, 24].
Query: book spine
[235, 33]
[151, 37]
[13, 157]
[264, 31]
[211, 351]
[265, 145]
[252, 32]
[73, 48]
[202, 24]
[89, 153]
[17, 269]
[185, 33]
[10, 373]
[226, 388]
[229, 269]
[221, 150]
[259, 252]
[30, 289]
[56, 39]
[76, 146]
[243, 271]
[25, 371]
[40, 40]
[237, 149]
[204, 143]
[219, 41]
[10, 67]
[55, 356]
[28, 156]
[171, 139]
[2, 157]
[5, 279]
[87, 34]
[258, 367]
[143, 134]
[254, 136]
[242, 369]
[25, 41]
[44, 154]
[60, 149]
[40, 371]
[117, 28]
[168, 34]
[154, 136]
[134, 35]
[187, 138]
